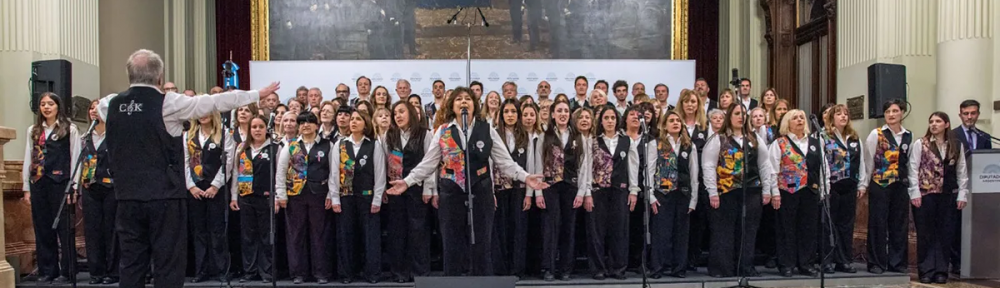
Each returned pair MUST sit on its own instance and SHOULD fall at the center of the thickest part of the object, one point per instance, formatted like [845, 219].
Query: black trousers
[99, 208]
[255, 221]
[607, 232]
[534, 11]
[154, 230]
[698, 243]
[669, 231]
[510, 233]
[935, 225]
[46, 198]
[956, 242]
[234, 236]
[207, 220]
[799, 216]
[843, 203]
[357, 222]
[636, 234]
[559, 228]
[888, 222]
[729, 232]
[535, 236]
[460, 255]
[409, 248]
[307, 228]
[768, 238]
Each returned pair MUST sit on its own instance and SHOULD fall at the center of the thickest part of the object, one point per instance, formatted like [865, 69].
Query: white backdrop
[326, 75]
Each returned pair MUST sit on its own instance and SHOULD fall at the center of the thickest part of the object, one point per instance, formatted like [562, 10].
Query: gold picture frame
[260, 30]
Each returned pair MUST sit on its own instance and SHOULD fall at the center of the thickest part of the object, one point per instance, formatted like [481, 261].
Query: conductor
[144, 127]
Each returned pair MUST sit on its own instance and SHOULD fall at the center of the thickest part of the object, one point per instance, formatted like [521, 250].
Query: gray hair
[144, 67]
[401, 80]
[716, 111]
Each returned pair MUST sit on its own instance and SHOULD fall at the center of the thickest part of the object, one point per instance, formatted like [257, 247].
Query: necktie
[972, 139]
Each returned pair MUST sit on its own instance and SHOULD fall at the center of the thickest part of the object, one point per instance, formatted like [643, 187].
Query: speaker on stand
[885, 82]
[54, 76]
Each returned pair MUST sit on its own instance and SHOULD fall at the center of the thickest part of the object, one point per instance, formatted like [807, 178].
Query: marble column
[6, 271]
[965, 55]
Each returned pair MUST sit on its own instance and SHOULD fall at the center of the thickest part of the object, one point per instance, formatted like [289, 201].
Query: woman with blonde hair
[382, 121]
[774, 116]
[796, 156]
[843, 151]
[207, 151]
[491, 107]
[674, 171]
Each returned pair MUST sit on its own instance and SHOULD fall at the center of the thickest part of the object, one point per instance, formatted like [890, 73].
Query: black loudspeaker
[885, 82]
[466, 282]
[54, 76]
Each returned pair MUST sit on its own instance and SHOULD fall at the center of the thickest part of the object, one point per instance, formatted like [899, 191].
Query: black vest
[904, 154]
[853, 149]
[318, 168]
[57, 156]
[146, 160]
[571, 165]
[520, 156]
[102, 168]
[752, 169]
[813, 164]
[619, 160]
[413, 153]
[479, 162]
[364, 166]
[211, 160]
[263, 168]
[683, 168]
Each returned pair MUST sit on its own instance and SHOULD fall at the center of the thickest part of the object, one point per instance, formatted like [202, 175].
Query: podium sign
[980, 235]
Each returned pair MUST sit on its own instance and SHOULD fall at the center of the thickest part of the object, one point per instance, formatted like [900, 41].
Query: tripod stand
[70, 230]
[743, 281]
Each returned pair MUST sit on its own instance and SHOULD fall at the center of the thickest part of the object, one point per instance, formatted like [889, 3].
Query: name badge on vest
[905, 146]
[684, 155]
[812, 148]
[854, 145]
[701, 135]
[479, 144]
[320, 155]
[520, 150]
[263, 155]
[951, 163]
[54, 136]
[622, 154]
[211, 146]
[364, 160]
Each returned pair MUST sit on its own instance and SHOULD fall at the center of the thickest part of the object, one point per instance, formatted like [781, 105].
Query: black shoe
[656, 275]
[372, 280]
[716, 275]
[751, 272]
[247, 278]
[785, 272]
[346, 280]
[95, 280]
[809, 271]
[47, 279]
[619, 276]
[771, 263]
[564, 277]
[941, 279]
[199, 279]
[692, 268]
[846, 268]
[925, 279]
[400, 279]
[828, 269]
[109, 280]
[876, 270]
[548, 276]
[298, 280]
[679, 273]
[599, 276]
[321, 281]
[266, 280]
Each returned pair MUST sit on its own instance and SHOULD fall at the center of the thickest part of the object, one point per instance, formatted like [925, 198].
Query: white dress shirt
[710, 161]
[498, 155]
[429, 184]
[179, 108]
[633, 164]
[869, 157]
[583, 179]
[861, 150]
[74, 151]
[378, 159]
[234, 186]
[284, 157]
[227, 157]
[960, 169]
[653, 154]
[803, 145]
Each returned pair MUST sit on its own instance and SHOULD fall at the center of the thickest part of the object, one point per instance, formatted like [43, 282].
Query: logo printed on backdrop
[551, 77]
[396, 77]
[415, 77]
[532, 77]
[426, 93]
[570, 77]
[377, 77]
[494, 77]
[435, 76]
[512, 77]
[558, 90]
[355, 77]
[475, 76]
[454, 77]
[590, 77]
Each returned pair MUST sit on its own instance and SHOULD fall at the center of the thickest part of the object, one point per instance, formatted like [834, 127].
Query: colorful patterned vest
[672, 169]
[610, 167]
[95, 168]
[205, 160]
[298, 161]
[357, 173]
[253, 174]
[793, 171]
[453, 162]
[563, 164]
[501, 182]
[730, 166]
[890, 163]
[937, 173]
[50, 157]
[844, 160]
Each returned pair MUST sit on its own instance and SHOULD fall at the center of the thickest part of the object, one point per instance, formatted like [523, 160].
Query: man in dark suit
[972, 139]
[701, 86]
[745, 98]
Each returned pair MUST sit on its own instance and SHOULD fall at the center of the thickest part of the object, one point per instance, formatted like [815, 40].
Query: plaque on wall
[856, 107]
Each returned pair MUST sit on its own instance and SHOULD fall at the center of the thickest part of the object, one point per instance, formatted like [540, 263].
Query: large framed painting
[441, 29]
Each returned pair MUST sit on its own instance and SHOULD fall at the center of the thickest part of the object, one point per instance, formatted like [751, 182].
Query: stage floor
[697, 279]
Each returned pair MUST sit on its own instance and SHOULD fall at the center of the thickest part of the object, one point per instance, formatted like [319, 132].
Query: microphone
[92, 126]
[814, 121]
[465, 119]
[736, 77]
[642, 124]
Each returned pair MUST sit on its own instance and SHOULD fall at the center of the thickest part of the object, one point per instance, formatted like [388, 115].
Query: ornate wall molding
[259, 31]
[680, 31]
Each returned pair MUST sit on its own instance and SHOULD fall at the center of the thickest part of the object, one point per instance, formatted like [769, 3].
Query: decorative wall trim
[259, 30]
[680, 33]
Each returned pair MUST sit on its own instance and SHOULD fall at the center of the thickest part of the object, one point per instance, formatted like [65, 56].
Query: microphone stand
[274, 247]
[70, 230]
[645, 213]
[743, 281]
[824, 217]
[468, 179]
